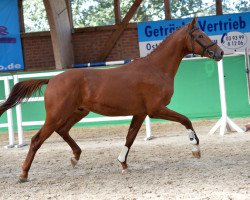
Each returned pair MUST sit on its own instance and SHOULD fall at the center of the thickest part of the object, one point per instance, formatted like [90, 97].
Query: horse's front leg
[165, 113]
[132, 133]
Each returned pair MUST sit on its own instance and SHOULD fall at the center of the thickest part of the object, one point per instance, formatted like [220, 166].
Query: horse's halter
[205, 48]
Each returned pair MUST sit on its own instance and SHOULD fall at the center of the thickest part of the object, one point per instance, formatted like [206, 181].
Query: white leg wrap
[191, 137]
[122, 156]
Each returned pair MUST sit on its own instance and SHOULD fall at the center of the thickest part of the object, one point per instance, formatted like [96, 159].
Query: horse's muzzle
[218, 55]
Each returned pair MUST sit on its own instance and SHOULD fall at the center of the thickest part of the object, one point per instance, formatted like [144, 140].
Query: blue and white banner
[231, 32]
[11, 57]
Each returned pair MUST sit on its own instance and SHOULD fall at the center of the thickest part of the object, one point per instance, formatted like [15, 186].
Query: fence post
[247, 72]
[19, 119]
[224, 122]
[9, 114]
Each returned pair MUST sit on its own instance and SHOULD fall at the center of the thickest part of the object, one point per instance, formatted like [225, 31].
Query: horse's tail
[21, 91]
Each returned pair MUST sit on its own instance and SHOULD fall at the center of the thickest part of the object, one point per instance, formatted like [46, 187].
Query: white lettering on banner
[11, 66]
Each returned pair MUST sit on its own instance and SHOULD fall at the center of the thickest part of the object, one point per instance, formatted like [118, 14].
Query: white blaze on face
[122, 156]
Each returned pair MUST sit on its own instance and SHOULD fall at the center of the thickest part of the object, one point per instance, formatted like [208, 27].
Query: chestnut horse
[140, 88]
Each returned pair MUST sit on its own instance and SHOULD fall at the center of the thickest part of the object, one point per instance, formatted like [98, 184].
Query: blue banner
[211, 25]
[231, 32]
[11, 57]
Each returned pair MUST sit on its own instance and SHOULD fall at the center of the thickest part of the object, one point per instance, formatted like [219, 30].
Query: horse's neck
[168, 55]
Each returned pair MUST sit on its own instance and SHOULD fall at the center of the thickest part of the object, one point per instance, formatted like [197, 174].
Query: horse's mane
[161, 45]
[165, 41]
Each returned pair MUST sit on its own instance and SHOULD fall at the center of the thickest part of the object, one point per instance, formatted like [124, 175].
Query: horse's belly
[114, 109]
[112, 97]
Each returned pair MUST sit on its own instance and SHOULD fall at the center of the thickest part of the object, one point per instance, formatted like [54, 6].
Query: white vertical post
[222, 89]
[222, 97]
[9, 115]
[247, 72]
[224, 122]
[19, 119]
[148, 129]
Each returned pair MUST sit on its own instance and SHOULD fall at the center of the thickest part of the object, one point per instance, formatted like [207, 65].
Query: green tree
[92, 13]
[236, 6]
[149, 10]
[243, 6]
[35, 18]
[101, 12]
[190, 8]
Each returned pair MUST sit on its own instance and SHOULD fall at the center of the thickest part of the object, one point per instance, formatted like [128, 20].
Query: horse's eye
[200, 36]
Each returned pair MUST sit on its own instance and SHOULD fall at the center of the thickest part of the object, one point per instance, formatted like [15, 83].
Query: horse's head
[199, 43]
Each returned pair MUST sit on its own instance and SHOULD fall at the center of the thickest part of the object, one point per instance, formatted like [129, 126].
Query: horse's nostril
[222, 53]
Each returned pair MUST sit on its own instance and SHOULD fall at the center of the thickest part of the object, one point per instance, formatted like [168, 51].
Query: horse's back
[115, 91]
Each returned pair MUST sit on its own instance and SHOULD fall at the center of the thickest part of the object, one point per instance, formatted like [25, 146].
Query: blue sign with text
[11, 57]
[230, 31]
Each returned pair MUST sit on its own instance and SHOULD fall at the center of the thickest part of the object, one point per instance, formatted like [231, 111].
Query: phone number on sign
[234, 40]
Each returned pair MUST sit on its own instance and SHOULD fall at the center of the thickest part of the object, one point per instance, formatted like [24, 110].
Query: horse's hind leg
[63, 131]
[165, 113]
[132, 133]
[36, 142]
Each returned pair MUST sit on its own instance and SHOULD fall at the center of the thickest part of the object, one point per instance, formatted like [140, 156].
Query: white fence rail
[21, 123]
[9, 123]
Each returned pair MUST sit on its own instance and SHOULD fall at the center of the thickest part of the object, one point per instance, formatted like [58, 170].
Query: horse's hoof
[125, 171]
[196, 154]
[73, 162]
[124, 167]
[22, 180]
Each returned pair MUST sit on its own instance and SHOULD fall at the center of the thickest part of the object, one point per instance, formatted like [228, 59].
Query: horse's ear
[193, 23]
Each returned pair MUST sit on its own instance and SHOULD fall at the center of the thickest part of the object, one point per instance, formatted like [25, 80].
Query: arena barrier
[99, 64]
[119, 62]
[21, 123]
[9, 123]
[223, 123]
